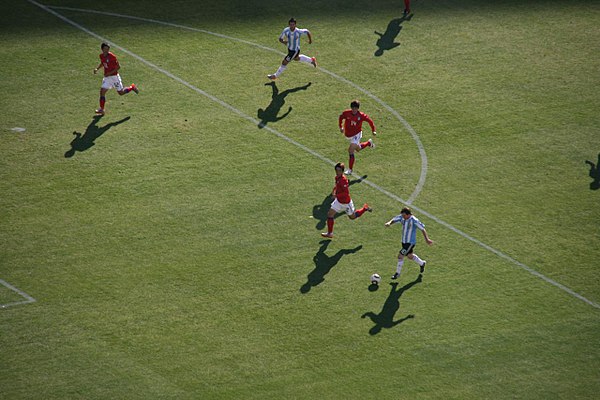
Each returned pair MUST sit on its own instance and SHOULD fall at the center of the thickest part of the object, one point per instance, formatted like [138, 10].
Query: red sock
[407, 5]
[364, 144]
[102, 101]
[351, 161]
[330, 222]
[360, 212]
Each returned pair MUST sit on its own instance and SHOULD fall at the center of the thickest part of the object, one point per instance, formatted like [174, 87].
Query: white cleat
[348, 172]
[371, 143]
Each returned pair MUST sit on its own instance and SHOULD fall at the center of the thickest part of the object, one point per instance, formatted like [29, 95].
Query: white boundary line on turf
[28, 298]
[409, 128]
[325, 159]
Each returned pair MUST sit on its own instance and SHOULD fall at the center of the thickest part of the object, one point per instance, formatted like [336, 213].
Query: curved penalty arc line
[407, 126]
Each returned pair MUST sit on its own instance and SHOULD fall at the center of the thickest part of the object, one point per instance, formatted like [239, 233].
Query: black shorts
[407, 248]
[292, 54]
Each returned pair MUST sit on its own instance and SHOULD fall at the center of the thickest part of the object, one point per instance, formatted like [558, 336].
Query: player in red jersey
[111, 79]
[352, 127]
[342, 201]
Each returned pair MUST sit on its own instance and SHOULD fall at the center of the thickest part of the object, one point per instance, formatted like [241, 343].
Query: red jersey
[342, 194]
[353, 122]
[110, 63]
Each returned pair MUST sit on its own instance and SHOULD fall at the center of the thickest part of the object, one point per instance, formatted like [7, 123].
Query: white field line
[408, 127]
[314, 153]
[28, 298]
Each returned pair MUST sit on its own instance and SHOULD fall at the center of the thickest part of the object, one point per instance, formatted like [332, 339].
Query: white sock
[417, 259]
[280, 70]
[305, 59]
[399, 266]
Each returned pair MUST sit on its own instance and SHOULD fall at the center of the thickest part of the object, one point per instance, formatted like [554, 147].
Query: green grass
[167, 259]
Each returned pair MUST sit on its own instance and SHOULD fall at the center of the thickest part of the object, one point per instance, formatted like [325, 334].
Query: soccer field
[171, 248]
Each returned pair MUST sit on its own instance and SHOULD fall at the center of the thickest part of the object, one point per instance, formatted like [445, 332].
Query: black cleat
[395, 276]
[423, 266]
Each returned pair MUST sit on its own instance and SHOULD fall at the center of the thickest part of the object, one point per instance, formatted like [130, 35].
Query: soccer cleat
[371, 143]
[327, 235]
[100, 111]
[395, 276]
[313, 61]
[272, 77]
[367, 208]
[406, 11]
[348, 171]
[135, 89]
[423, 266]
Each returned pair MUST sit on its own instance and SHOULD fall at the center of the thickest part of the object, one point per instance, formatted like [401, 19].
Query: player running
[410, 226]
[291, 37]
[342, 201]
[111, 79]
[352, 127]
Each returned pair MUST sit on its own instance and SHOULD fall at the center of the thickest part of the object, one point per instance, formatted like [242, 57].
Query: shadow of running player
[269, 114]
[324, 264]
[594, 173]
[92, 132]
[385, 319]
[387, 39]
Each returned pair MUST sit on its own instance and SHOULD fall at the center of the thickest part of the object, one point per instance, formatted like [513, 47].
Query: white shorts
[355, 139]
[114, 81]
[341, 207]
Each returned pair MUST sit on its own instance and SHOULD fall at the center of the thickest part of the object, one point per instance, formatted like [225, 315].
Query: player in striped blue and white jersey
[291, 38]
[410, 226]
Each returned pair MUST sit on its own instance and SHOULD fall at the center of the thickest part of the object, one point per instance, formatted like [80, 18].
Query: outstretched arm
[390, 222]
[372, 125]
[427, 240]
[369, 314]
[409, 316]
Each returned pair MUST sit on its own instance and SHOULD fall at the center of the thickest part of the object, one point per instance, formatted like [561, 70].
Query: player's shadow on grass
[385, 319]
[92, 132]
[270, 113]
[324, 264]
[387, 39]
[320, 210]
[594, 173]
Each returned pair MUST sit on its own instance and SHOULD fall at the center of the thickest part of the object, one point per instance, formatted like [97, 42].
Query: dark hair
[406, 211]
[340, 165]
[103, 45]
[355, 103]
[291, 20]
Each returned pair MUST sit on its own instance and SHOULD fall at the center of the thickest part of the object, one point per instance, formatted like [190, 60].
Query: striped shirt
[409, 228]
[293, 38]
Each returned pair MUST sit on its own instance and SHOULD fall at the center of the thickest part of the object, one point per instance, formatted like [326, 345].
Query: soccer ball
[375, 279]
